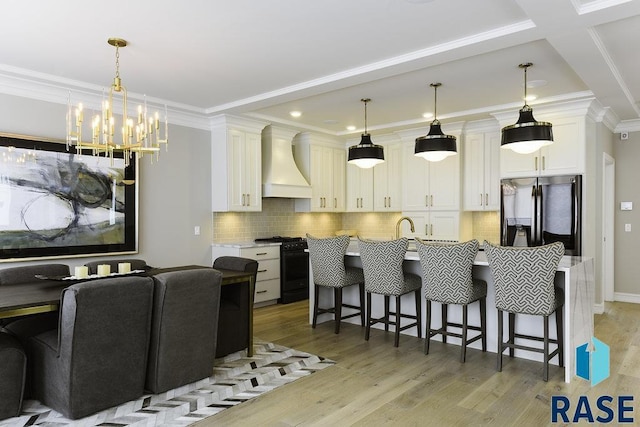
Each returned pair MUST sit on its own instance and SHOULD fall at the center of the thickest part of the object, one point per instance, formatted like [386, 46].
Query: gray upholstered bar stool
[329, 271]
[524, 282]
[383, 274]
[447, 276]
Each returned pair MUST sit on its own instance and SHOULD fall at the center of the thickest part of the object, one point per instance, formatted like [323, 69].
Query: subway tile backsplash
[278, 218]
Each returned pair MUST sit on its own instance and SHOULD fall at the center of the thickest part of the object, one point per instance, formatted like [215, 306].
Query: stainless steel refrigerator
[541, 210]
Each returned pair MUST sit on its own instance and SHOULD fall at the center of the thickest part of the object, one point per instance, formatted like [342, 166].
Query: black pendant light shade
[526, 135]
[435, 146]
[366, 154]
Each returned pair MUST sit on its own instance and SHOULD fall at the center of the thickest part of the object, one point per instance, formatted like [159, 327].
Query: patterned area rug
[236, 379]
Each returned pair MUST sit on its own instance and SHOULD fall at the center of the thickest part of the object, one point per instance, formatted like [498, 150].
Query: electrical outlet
[624, 136]
[627, 227]
[196, 230]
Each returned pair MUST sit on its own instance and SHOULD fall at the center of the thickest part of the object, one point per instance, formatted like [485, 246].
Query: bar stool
[524, 282]
[447, 276]
[329, 271]
[384, 275]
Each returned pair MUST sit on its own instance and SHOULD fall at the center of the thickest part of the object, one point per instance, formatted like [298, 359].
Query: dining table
[43, 294]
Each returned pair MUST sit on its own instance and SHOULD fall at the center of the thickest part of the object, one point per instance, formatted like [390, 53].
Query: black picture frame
[55, 202]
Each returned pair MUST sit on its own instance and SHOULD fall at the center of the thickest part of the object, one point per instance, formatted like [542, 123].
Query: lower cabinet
[268, 257]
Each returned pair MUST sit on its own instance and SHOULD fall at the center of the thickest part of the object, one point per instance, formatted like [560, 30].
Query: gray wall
[175, 192]
[627, 245]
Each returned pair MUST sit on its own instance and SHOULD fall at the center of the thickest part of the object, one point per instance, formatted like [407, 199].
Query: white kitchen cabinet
[387, 181]
[566, 156]
[267, 286]
[236, 165]
[481, 190]
[429, 185]
[434, 225]
[359, 188]
[324, 166]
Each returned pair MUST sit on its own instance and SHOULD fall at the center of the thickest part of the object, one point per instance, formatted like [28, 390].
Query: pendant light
[527, 135]
[366, 154]
[435, 146]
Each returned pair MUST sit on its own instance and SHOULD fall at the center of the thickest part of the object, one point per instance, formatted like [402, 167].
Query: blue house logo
[593, 365]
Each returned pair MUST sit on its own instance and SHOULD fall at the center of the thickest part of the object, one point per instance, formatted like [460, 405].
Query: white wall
[175, 192]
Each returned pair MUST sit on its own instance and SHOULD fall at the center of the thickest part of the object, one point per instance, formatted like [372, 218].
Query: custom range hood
[280, 174]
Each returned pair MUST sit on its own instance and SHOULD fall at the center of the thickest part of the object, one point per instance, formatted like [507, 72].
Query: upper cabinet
[481, 190]
[360, 188]
[236, 166]
[387, 180]
[566, 156]
[429, 185]
[323, 163]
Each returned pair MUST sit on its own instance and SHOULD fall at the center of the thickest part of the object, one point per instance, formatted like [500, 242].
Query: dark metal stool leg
[463, 350]
[512, 333]
[427, 336]
[483, 322]
[396, 341]
[367, 328]
[418, 313]
[337, 308]
[316, 293]
[444, 322]
[560, 336]
[386, 313]
[500, 348]
[545, 354]
[362, 305]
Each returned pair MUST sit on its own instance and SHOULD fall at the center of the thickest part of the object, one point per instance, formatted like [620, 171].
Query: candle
[81, 272]
[124, 267]
[104, 270]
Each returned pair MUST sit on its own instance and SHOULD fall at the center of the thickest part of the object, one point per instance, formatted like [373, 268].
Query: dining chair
[13, 368]
[382, 262]
[524, 284]
[447, 276]
[234, 316]
[97, 357]
[329, 272]
[184, 328]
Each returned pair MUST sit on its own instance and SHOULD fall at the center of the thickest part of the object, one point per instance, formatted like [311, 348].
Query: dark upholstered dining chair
[97, 357]
[382, 262]
[183, 328]
[27, 274]
[233, 318]
[524, 282]
[13, 367]
[329, 271]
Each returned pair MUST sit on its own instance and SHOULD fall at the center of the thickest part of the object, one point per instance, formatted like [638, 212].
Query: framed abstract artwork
[55, 202]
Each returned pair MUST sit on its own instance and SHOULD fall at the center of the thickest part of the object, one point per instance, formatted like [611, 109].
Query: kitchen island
[575, 275]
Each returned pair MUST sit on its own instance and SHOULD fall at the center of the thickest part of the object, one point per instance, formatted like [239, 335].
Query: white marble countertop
[247, 244]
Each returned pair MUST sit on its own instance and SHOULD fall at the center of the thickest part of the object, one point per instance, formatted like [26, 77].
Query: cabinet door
[566, 154]
[359, 189]
[253, 172]
[444, 225]
[444, 184]
[319, 162]
[492, 171]
[415, 180]
[387, 187]
[474, 172]
[513, 165]
[338, 179]
[237, 195]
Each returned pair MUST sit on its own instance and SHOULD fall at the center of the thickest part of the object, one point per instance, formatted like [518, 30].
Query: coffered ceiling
[265, 58]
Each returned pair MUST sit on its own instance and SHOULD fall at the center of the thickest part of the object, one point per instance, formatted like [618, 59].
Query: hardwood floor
[375, 384]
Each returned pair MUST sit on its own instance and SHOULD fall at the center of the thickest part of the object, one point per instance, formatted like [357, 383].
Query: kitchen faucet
[413, 229]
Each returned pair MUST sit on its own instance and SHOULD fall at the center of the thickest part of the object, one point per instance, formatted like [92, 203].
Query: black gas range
[294, 267]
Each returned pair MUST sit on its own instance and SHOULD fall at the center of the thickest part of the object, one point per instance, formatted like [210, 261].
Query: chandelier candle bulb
[104, 270]
[124, 267]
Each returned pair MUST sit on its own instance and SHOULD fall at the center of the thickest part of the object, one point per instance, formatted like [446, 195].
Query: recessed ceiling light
[427, 115]
[295, 113]
[351, 128]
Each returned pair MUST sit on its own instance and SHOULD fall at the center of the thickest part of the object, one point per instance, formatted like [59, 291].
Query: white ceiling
[264, 58]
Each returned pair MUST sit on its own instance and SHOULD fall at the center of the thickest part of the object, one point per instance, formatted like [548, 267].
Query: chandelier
[139, 134]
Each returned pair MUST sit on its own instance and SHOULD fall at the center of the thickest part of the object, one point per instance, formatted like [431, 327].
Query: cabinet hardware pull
[389, 202]
[544, 167]
[426, 200]
[262, 271]
[261, 292]
[243, 200]
[536, 163]
[432, 200]
[431, 234]
[261, 253]
[426, 229]
[486, 199]
[480, 199]
[248, 199]
[335, 202]
[385, 202]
